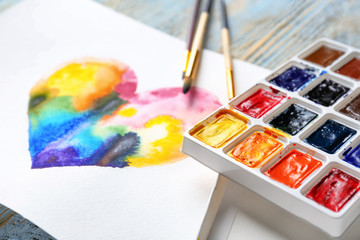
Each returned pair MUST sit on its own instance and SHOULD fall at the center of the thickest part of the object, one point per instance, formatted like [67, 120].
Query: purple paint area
[113, 153]
[56, 158]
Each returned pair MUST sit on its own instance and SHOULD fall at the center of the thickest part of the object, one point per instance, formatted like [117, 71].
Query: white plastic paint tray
[293, 200]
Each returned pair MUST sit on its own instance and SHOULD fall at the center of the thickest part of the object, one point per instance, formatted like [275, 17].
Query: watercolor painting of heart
[87, 112]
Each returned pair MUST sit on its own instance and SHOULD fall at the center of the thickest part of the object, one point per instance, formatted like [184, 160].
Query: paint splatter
[88, 113]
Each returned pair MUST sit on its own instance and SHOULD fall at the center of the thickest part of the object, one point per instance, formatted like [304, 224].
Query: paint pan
[293, 116]
[351, 155]
[259, 103]
[330, 136]
[335, 189]
[349, 67]
[327, 92]
[302, 136]
[293, 168]
[293, 77]
[324, 55]
[256, 149]
[352, 109]
[219, 129]
[293, 119]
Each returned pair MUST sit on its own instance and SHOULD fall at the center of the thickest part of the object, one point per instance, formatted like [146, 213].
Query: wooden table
[263, 32]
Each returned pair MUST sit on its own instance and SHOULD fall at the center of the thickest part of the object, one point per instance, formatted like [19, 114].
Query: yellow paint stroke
[84, 81]
[127, 112]
[160, 142]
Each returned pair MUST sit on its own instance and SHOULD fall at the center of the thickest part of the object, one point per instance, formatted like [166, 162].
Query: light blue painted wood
[14, 227]
[4, 4]
[263, 32]
[274, 30]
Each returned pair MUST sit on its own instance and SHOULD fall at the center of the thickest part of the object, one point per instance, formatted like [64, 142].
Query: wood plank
[14, 226]
[263, 32]
[266, 33]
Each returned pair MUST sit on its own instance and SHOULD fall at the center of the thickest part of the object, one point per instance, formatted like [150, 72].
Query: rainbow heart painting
[87, 112]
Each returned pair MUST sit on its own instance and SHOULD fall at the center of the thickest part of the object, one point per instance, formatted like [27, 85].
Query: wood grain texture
[266, 33]
[263, 32]
[13, 226]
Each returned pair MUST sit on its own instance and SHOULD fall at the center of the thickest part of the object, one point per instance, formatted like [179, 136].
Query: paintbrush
[196, 48]
[226, 51]
[191, 35]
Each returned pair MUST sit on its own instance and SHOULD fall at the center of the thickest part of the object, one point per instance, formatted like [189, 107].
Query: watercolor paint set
[294, 137]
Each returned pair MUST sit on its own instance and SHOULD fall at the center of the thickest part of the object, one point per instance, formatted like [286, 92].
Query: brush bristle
[187, 84]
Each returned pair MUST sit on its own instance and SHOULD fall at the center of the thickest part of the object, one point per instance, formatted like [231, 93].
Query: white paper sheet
[164, 202]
